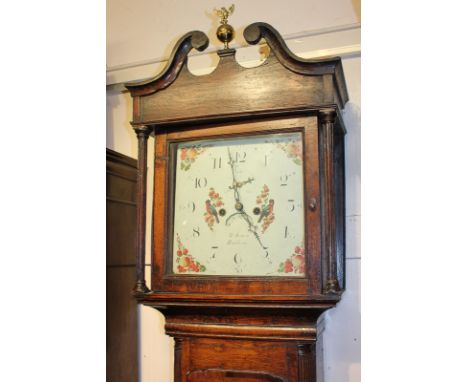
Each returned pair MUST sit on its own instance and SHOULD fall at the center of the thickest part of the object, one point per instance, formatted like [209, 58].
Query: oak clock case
[248, 215]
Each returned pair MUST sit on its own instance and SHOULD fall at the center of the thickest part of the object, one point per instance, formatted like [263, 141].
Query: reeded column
[327, 121]
[142, 133]
[178, 342]
[306, 362]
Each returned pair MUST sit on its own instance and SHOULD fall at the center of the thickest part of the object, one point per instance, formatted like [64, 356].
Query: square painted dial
[238, 207]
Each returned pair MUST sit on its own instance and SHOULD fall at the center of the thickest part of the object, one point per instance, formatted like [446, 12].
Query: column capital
[142, 131]
[178, 341]
[327, 115]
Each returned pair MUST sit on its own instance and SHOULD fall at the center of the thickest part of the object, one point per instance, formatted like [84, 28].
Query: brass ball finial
[225, 32]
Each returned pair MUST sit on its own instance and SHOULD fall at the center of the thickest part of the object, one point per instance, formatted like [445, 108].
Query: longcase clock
[248, 215]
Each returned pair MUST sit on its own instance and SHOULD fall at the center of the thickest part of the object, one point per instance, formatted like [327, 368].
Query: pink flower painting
[267, 215]
[188, 155]
[295, 263]
[212, 205]
[293, 150]
[185, 261]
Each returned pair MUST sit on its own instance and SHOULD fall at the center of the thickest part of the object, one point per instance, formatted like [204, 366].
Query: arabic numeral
[240, 158]
[216, 163]
[284, 180]
[201, 182]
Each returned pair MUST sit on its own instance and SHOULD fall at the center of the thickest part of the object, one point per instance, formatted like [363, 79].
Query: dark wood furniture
[121, 309]
[245, 328]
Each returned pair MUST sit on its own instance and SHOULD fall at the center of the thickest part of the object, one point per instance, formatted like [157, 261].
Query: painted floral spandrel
[295, 263]
[185, 261]
[188, 155]
[293, 149]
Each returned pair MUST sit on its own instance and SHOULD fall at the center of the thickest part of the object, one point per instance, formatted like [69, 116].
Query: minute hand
[235, 184]
[234, 181]
[239, 207]
[252, 228]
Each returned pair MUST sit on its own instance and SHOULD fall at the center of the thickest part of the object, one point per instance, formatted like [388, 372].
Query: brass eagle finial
[224, 13]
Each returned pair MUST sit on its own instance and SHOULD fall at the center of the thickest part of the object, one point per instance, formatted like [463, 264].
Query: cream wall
[140, 36]
[146, 29]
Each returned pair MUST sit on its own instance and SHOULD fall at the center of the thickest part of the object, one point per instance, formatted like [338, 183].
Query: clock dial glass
[239, 206]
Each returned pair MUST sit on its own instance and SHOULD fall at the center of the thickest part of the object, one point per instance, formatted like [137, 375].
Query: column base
[140, 288]
[332, 287]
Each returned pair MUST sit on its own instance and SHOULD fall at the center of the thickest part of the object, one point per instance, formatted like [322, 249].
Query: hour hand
[236, 185]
